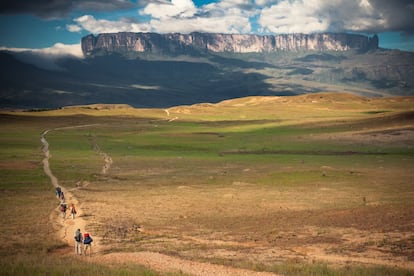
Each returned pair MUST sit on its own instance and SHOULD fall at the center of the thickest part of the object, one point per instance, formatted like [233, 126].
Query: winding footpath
[155, 261]
[107, 159]
[66, 227]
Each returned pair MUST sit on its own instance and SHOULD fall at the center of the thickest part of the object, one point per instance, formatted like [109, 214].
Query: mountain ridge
[176, 43]
[167, 72]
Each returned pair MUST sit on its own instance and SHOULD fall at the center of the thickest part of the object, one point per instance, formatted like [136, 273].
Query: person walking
[63, 208]
[87, 241]
[78, 242]
[58, 192]
[73, 211]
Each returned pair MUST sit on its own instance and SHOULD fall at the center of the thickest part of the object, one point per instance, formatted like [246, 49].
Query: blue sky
[60, 24]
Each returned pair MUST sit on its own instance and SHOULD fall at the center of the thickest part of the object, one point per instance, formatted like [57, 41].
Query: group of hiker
[81, 241]
[63, 205]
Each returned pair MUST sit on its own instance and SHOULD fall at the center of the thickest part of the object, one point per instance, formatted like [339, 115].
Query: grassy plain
[318, 183]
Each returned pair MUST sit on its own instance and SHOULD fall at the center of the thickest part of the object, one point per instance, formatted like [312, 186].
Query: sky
[57, 26]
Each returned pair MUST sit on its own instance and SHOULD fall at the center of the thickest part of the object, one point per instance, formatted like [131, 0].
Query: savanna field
[315, 184]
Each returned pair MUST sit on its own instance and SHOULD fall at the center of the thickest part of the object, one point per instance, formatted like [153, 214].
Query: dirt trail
[66, 227]
[107, 159]
[156, 261]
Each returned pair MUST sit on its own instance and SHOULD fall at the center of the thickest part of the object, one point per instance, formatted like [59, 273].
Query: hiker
[62, 196]
[78, 242]
[63, 208]
[87, 241]
[73, 211]
[58, 192]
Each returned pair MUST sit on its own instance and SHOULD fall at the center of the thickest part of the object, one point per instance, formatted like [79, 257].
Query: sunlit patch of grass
[298, 268]
[42, 264]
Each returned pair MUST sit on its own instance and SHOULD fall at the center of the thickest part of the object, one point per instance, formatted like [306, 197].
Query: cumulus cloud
[93, 25]
[52, 9]
[226, 16]
[175, 8]
[293, 17]
[228, 24]
[46, 58]
[337, 15]
[271, 16]
[230, 16]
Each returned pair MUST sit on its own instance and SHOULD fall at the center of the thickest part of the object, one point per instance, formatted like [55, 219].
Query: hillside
[165, 75]
[300, 108]
[292, 185]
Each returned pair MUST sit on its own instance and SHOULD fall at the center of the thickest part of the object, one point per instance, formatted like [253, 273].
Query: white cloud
[226, 4]
[227, 16]
[46, 58]
[182, 16]
[293, 17]
[228, 24]
[90, 24]
[73, 28]
[60, 49]
[221, 17]
[335, 15]
[263, 2]
[57, 50]
[268, 16]
[175, 8]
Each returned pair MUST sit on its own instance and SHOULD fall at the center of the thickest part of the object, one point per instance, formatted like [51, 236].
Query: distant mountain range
[163, 70]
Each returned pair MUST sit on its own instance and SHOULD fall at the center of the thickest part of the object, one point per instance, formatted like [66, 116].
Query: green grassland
[277, 171]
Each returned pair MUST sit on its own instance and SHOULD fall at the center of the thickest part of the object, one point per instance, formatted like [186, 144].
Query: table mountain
[164, 70]
[179, 44]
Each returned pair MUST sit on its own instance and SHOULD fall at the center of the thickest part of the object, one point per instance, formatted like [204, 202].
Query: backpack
[87, 240]
[78, 237]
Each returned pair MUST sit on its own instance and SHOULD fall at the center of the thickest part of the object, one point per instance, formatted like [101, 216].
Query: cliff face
[237, 43]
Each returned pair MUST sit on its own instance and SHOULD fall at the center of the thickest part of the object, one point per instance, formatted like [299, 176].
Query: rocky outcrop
[176, 43]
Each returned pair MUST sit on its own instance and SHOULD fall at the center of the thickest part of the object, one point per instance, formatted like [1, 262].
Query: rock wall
[176, 43]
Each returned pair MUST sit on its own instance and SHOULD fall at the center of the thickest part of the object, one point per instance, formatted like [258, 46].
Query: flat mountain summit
[176, 43]
[165, 70]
